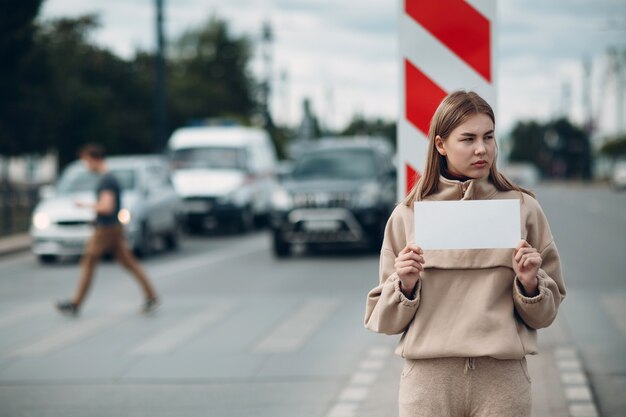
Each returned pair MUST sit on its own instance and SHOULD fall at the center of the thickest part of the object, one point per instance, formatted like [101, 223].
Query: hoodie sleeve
[540, 311]
[388, 310]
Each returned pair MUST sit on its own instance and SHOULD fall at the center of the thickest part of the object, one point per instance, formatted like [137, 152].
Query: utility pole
[267, 37]
[160, 99]
[586, 96]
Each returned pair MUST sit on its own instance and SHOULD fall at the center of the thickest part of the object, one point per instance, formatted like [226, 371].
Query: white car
[618, 177]
[151, 208]
[225, 175]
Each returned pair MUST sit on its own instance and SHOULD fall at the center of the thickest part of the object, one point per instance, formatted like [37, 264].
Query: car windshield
[230, 158]
[76, 181]
[348, 164]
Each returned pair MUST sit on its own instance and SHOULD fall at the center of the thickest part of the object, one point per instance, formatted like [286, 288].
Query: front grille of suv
[323, 200]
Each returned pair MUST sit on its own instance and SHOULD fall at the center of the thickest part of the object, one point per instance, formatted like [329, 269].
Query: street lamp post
[160, 99]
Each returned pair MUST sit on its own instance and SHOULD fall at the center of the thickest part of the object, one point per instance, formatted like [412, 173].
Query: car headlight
[368, 196]
[124, 216]
[41, 220]
[281, 200]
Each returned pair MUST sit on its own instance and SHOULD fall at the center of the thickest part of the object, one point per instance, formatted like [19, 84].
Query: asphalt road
[240, 333]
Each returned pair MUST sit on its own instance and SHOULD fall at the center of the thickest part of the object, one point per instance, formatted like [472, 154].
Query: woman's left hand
[526, 263]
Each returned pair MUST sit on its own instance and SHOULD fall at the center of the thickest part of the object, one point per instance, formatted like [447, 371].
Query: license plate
[322, 225]
[197, 206]
[72, 243]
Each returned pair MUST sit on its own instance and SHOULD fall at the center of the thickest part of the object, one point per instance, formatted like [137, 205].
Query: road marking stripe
[343, 410]
[75, 332]
[380, 352]
[577, 393]
[203, 260]
[573, 378]
[180, 332]
[574, 382]
[363, 378]
[372, 364]
[351, 393]
[583, 410]
[357, 390]
[290, 335]
[22, 313]
[569, 365]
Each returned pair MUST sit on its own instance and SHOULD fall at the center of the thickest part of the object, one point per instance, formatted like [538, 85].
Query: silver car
[151, 208]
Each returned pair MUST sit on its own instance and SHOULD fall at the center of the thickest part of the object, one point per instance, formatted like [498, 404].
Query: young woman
[468, 317]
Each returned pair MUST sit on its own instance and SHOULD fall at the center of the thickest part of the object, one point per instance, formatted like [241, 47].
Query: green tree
[558, 148]
[614, 147]
[208, 75]
[22, 77]
[376, 127]
[95, 95]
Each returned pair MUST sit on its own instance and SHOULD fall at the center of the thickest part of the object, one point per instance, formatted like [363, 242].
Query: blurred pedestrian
[108, 235]
[468, 317]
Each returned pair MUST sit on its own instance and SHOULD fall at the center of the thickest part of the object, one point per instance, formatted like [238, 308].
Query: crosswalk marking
[22, 313]
[294, 332]
[73, 333]
[171, 338]
[204, 259]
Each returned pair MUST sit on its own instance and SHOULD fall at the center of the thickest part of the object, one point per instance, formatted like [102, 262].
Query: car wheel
[47, 259]
[144, 247]
[282, 248]
[172, 239]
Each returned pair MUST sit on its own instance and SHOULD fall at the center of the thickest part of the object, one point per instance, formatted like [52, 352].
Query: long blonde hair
[453, 111]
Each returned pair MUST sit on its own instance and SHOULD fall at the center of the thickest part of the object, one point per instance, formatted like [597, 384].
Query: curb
[14, 243]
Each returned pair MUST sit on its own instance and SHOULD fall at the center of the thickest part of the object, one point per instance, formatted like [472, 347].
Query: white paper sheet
[471, 224]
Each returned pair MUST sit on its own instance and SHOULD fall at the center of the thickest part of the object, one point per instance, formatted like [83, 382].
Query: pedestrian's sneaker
[67, 308]
[150, 305]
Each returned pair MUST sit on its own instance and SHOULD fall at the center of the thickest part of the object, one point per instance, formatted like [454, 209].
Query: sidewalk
[552, 397]
[14, 243]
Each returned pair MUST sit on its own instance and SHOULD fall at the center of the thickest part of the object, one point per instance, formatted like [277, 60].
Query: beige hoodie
[467, 303]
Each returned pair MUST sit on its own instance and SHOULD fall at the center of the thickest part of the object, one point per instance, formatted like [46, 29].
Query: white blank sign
[468, 224]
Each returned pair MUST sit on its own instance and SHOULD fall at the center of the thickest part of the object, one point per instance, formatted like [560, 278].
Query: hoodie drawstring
[469, 365]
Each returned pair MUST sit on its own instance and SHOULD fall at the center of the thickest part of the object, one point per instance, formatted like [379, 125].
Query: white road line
[380, 352]
[575, 385]
[615, 306]
[73, 333]
[203, 260]
[180, 332]
[569, 365]
[357, 390]
[355, 394]
[578, 393]
[343, 410]
[583, 410]
[290, 335]
[363, 378]
[22, 313]
[573, 378]
[372, 365]
[566, 353]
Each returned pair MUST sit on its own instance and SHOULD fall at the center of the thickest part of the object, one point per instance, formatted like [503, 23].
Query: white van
[225, 175]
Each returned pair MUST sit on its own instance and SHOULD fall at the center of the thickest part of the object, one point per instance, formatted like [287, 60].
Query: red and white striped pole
[445, 45]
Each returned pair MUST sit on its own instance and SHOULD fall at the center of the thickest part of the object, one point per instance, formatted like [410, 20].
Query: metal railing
[16, 206]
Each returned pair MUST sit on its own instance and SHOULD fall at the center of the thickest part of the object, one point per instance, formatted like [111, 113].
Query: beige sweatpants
[465, 387]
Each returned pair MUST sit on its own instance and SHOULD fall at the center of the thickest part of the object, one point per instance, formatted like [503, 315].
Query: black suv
[339, 192]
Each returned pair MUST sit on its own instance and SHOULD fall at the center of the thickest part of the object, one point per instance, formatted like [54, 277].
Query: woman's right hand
[409, 266]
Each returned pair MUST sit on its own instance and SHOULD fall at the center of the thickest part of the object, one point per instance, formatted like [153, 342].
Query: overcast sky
[343, 55]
